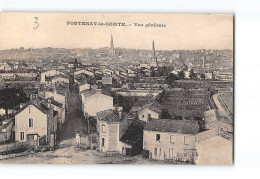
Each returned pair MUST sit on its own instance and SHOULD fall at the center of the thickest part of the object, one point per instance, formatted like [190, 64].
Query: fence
[13, 147]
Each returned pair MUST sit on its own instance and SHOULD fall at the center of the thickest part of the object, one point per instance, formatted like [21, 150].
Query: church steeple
[112, 43]
[154, 56]
[153, 61]
[112, 51]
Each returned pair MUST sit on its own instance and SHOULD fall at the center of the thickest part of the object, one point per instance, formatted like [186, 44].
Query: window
[103, 142]
[30, 122]
[149, 117]
[143, 116]
[155, 151]
[172, 139]
[30, 109]
[158, 137]
[103, 128]
[185, 155]
[171, 152]
[160, 153]
[185, 140]
[22, 135]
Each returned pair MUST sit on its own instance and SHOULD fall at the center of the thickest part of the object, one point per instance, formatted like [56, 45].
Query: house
[111, 125]
[83, 87]
[35, 122]
[208, 76]
[214, 148]
[86, 72]
[6, 66]
[94, 101]
[166, 139]
[59, 79]
[107, 80]
[57, 106]
[48, 74]
[6, 131]
[60, 96]
[150, 111]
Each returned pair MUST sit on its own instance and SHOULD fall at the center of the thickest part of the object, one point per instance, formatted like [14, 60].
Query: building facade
[35, 120]
[111, 125]
[94, 101]
[170, 140]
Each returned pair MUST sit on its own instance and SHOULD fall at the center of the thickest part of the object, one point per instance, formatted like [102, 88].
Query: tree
[192, 74]
[141, 71]
[11, 98]
[163, 71]
[181, 75]
[170, 79]
[202, 76]
[153, 74]
[166, 114]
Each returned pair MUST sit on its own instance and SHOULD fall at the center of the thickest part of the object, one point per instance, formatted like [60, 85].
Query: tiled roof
[109, 115]
[54, 102]
[5, 125]
[39, 105]
[59, 76]
[153, 107]
[174, 126]
[92, 92]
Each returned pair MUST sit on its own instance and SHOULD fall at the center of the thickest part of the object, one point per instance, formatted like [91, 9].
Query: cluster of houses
[40, 120]
[145, 131]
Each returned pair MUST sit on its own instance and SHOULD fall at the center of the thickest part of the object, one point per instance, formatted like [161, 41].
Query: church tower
[112, 50]
[153, 61]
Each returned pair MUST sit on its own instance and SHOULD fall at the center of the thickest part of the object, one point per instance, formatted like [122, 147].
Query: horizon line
[114, 48]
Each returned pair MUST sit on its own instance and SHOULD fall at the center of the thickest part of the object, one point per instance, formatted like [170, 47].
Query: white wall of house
[60, 79]
[143, 115]
[84, 72]
[84, 87]
[170, 145]
[22, 123]
[6, 134]
[96, 103]
[111, 133]
[48, 74]
[214, 151]
[6, 67]
[208, 76]
[57, 97]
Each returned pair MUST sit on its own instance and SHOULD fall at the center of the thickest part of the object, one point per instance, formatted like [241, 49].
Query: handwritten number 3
[36, 23]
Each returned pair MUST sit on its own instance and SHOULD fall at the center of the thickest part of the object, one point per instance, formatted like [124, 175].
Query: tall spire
[154, 56]
[112, 43]
[153, 61]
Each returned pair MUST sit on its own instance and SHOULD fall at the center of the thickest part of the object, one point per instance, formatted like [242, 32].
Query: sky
[182, 31]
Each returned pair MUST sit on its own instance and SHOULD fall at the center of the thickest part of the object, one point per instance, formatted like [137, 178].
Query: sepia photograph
[116, 88]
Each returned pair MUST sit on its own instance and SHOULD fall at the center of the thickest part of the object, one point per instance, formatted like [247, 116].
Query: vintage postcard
[116, 88]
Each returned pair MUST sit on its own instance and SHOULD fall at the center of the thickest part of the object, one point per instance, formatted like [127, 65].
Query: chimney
[120, 112]
[31, 97]
[50, 118]
[49, 103]
[55, 91]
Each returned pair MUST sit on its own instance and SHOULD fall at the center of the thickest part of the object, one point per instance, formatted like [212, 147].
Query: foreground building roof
[109, 115]
[174, 126]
